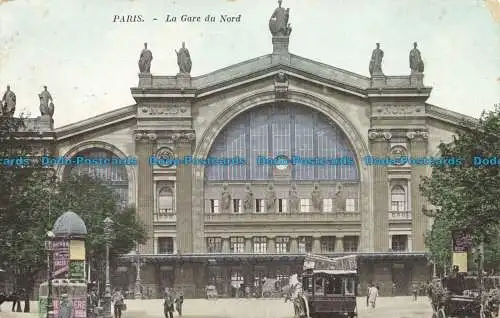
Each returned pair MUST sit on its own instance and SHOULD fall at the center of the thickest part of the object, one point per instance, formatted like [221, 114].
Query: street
[390, 307]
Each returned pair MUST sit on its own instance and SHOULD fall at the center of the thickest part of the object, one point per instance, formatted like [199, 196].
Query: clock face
[165, 154]
[282, 162]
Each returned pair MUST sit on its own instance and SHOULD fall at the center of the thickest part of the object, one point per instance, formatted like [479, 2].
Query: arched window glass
[166, 201]
[282, 130]
[398, 199]
[114, 176]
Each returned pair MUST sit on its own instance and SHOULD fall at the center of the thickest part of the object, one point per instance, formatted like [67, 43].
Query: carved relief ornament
[159, 110]
[375, 134]
[398, 110]
[417, 134]
[145, 136]
[281, 85]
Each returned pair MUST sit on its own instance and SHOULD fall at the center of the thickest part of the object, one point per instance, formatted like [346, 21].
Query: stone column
[380, 148]
[294, 245]
[183, 195]
[226, 248]
[248, 244]
[418, 148]
[316, 248]
[339, 243]
[271, 245]
[145, 145]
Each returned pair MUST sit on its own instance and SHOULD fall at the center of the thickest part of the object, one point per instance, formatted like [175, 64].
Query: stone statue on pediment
[293, 199]
[278, 23]
[225, 199]
[317, 199]
[375, 66]
[248, 202]
[416, 62]
[145, 60]
[8, 103]
[46, 103]
[184, 60]
[270, 199]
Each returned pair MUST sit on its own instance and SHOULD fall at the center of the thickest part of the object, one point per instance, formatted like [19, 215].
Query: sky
[89, 63]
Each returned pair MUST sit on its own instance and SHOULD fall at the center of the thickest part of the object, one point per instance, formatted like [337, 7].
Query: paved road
[397, 307]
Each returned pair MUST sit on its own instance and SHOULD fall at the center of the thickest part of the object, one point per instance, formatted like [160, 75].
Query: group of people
[172, 299]
[16, 297]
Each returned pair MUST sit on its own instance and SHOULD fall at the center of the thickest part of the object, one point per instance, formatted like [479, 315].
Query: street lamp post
[138, 265]
[108, 223]
[48, 247]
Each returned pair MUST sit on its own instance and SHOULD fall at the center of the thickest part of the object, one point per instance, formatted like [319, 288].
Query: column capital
[145, 136]
[181, 137]
[377, 134]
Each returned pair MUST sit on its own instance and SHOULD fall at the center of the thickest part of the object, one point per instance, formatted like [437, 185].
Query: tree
[467, 194]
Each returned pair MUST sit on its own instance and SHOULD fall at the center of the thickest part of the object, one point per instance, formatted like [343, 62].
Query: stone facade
[181, 116]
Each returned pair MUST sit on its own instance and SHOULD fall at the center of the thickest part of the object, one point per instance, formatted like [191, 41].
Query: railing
[165, 215]
[282, 217]
[399, 215]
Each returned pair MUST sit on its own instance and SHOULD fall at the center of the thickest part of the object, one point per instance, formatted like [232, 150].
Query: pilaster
[248, 245]
[316, 247]
[294, 245]
[418, 148]
[184, 210]
[145, 145]
[379, 146]
[339, 243]
[226, 248]
[271, 245]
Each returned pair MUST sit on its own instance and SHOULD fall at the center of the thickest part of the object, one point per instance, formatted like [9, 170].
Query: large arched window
[398, 199]
[282, 131]
[115, 176]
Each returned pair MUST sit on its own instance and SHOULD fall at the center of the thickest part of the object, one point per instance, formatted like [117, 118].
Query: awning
[334, 272]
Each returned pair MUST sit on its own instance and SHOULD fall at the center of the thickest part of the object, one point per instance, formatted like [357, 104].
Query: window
[350, 243]
[319, 289]
[165, 201]
[282, 205]
[398, 199]
[282, 245]
[259, 205]
[327, 244]
[237, 244]
[327, 205]
[214, 206]
[399, 243]
[305, 244]
[237, 279]
[165, 245]
[236, 205]
[350, 205]
[258, 277]
[260, 245]
[214, 244]
[305, 205]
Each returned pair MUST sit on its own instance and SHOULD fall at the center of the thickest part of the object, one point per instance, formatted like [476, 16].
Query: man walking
[168, 304]
[372, 295]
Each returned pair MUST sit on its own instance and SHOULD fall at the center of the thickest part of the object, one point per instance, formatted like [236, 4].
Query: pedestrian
[394, 287]
[372, 295]
[168, 304]
[414, 291]
[118, 303]
[16, 304]
[179, 300]
[247, 291]
[66, 307]
[368, 294]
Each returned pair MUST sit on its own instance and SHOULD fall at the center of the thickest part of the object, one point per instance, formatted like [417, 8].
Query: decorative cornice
[281, 85]
[144, 136]
[376, 134]
[417, 134]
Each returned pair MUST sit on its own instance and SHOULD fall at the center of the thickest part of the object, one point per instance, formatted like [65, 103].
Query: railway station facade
[231, 224]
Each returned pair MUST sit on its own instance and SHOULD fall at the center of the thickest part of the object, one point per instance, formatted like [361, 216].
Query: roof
[69, 223]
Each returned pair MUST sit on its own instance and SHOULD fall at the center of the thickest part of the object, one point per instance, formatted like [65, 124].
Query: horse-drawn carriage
[328, 288]
[467, 301]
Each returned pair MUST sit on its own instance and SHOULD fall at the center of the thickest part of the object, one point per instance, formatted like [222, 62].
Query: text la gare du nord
[185, 18]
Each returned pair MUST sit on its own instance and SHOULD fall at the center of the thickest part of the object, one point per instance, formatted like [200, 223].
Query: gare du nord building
[237, 224]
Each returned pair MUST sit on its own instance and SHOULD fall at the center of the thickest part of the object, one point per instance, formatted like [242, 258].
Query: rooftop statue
[46, 103]
[8, 103]
[416, 62]
[184, 60]
[376, 61]
[145, 60]
[278, 23]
